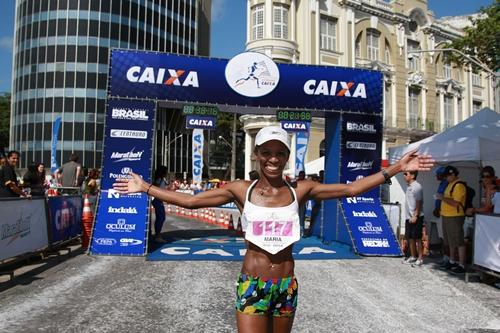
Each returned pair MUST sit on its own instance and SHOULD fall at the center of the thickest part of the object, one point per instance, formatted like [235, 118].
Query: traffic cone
[87, 221]
[230, 225]
[239, 229]
[226, 221]
[220, 222]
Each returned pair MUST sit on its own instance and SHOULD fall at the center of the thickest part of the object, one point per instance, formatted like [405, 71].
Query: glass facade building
[60, 65]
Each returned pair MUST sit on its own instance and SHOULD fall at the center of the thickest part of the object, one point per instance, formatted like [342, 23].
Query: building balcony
[280, 50]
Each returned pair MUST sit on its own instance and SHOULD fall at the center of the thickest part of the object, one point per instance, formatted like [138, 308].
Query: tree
[4, 120]
[482, 39]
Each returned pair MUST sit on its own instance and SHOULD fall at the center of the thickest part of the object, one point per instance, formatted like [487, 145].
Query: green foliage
[4, 120]
[482, 39]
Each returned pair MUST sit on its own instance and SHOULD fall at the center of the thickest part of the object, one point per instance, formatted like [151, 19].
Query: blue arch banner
[244, 81]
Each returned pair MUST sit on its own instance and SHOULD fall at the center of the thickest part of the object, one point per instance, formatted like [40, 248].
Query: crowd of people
[38, 182]
[454, 201]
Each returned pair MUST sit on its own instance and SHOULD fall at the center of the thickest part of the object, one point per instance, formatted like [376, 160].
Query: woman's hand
[130, 185]
[411, 161]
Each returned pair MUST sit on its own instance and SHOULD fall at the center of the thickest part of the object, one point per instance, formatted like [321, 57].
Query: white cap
[272, 133]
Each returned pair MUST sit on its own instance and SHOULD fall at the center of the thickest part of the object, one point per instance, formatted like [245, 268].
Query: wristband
[147, 192]
[386, 177]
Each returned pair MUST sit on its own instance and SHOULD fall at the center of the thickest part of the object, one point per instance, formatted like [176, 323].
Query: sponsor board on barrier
[128, 134]
[26, 228]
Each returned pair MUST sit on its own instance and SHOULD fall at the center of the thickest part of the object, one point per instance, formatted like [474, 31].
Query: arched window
[372, 44]
[258, 22]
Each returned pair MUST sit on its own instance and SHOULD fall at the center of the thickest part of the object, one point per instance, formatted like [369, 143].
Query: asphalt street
[123, 294]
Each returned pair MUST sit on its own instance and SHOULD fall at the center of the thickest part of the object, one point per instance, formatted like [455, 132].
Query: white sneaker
[418, 262]
[409, 260]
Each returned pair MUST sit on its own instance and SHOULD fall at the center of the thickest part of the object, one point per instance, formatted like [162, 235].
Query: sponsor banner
[65, 217]
[202, 122]
[248, 79]
[53, 155]
[23, 227]
[121, 219]
[227, 248]
[302, 138]
[295, 126]
[369, 227]
[197, 155]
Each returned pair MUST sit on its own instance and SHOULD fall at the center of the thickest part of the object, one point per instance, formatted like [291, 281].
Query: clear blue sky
[228, 34]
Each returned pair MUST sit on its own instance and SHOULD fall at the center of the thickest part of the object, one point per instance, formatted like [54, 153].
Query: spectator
[34, 179]
[160, 181]
[69, 173]
[9, 186]
[3, 161]
[414, 218]
[321, 178]
[441, 178]
[453, 217]
[489, 188]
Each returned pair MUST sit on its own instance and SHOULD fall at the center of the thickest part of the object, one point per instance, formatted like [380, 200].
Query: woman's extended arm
[409, 162]
[215, 197]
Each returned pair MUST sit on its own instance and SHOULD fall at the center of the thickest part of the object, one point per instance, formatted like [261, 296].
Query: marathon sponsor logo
[354, 166]
[361, 200]
[20, 228]
[122, 210]
[361, 145]
[335, 88]
[375, 242]
[105, 241]
[128, 134]
[294, 126]
[125, 173]
[362, 213]
[114, 194]
[121, 225]
[360, 127]
[200, 122]
[369, 228]
[129, 114]
[168, 77]
[357, 178]
[128, 156]
[130, 242]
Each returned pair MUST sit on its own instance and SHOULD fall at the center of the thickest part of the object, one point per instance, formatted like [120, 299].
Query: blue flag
[55, 131]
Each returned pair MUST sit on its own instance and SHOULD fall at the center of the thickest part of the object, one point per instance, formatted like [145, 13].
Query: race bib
[272, 231]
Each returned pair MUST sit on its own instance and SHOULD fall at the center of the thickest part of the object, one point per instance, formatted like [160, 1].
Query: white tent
[475, 139]
[473, 143]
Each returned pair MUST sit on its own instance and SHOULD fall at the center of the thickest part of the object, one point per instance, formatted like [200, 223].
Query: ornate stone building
[423, 92]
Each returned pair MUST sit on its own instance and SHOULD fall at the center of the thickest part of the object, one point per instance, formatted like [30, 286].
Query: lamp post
[475, 61]
[233, 157]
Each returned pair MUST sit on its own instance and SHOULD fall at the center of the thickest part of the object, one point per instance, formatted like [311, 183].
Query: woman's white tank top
[271, 228]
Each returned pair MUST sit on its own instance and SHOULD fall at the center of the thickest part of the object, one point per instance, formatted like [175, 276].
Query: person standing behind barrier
[34, 178]
[69, 173]
[453, 217]
[267, 289]
[489, 188]
[160, 181]
[9, 186]
[414, 224]
[3, 161]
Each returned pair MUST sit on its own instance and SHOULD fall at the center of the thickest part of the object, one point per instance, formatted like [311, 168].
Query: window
[476, 80]
[459, 111]
[476, 106]
[413, 108]
[357, 50]
[280, 24]
[446, 67]
[258, 22]
[413, 58]
[448, 111]
[328, 30]
[372, 45]
[387, 55]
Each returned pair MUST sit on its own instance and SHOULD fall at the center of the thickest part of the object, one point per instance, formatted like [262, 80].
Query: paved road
[115, 294]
